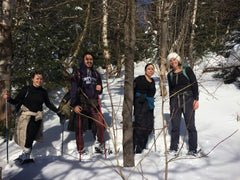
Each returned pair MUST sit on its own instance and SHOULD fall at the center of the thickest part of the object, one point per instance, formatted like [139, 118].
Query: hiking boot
[172, 152]
[99, 148]
[25, 155]
[192, 153]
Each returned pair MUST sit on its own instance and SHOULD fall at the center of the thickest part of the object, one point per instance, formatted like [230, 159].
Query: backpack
[184, 65]
[64, 106]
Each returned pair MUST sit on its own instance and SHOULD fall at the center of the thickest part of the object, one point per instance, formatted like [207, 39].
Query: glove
[62, 118]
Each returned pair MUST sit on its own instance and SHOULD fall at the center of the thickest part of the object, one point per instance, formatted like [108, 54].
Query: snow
[216, 122]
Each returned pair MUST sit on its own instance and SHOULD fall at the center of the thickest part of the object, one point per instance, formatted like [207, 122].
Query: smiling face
[37, 80]
[88, 61]
[149, 71]
[174, 63]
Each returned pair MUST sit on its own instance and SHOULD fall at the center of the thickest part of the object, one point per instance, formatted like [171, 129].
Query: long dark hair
[82, 65]
[87, 53]
[148, 64]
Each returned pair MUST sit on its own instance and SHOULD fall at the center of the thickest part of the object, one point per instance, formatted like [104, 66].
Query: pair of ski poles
[80, 134]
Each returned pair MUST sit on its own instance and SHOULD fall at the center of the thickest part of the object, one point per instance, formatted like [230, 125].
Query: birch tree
[163, 9]
[6, 51]
[193, 33]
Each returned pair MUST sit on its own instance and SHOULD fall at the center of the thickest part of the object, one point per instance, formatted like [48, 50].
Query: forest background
[51, 36]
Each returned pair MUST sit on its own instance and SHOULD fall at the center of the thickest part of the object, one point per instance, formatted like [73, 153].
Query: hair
[87, 53]
[34, 72]
[148, 64]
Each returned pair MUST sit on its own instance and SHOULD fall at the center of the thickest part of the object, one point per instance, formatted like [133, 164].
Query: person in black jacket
[183, 93]
[30, 121]
[144, 91]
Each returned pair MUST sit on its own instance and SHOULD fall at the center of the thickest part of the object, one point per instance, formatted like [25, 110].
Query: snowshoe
[24, 158]
[20, 161]
[197, 153]
[172, 152]
[192, 153]
[27, 161]
[99, 150]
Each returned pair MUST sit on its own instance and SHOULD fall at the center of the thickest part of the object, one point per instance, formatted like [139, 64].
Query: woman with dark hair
[30, 121]
[144, 91]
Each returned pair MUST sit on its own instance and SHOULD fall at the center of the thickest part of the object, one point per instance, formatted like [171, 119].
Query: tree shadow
[182, 126]
[38, 170]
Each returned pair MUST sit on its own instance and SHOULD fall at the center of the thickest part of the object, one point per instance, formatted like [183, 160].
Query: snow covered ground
[218, 135]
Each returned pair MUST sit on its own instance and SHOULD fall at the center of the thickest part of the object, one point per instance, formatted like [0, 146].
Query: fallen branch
[212, 69]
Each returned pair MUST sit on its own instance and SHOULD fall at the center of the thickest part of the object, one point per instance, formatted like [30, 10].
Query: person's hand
[78, 109]
[5, 95]
[98, 87]
[195, 104]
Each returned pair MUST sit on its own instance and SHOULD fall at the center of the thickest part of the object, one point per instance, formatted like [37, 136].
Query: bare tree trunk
[163, 9]
[117, 49]
[178, 44]
[104, 31]
[193, 33]
[6, 52]
[105, 50]
[129, 40]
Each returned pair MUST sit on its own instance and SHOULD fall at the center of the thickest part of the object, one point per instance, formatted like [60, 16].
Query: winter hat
[174, 55]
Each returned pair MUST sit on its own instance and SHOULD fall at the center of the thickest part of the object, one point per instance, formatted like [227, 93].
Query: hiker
[30, 120]
[183, 93]
[86, 86]
[144, 91]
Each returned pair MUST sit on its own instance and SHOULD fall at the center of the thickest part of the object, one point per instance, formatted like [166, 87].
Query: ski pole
[80, 139]
[6, 125]
[102, 124]
[62, 138]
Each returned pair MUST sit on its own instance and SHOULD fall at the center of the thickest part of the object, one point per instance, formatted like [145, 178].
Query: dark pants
[97, 128]
[183, 105]
[143, 125]
[32, 130]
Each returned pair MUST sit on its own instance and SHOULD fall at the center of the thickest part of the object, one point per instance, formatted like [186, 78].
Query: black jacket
[33, 98]
[178, 83]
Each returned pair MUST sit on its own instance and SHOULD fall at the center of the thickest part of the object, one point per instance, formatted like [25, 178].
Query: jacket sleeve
[48, 103]
[99, 82]
[169, 85]
[20, 96]
[193, 81]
